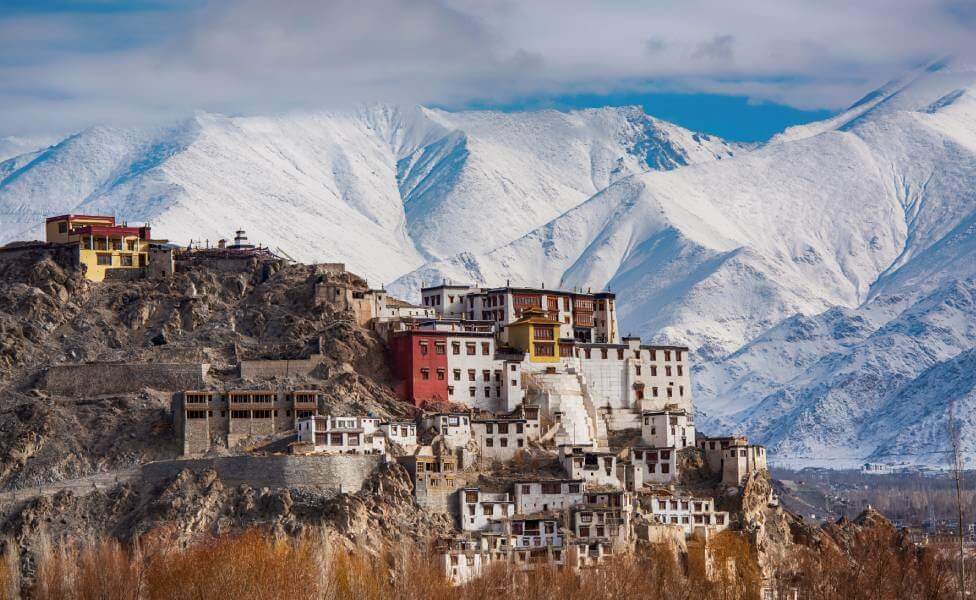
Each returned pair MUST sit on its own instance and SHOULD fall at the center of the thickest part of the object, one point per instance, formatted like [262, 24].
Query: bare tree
[956, 458]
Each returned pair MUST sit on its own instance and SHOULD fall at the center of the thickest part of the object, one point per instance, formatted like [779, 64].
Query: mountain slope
[716, 253]
[382, 189]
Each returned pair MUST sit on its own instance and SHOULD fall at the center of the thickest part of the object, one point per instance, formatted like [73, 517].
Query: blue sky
[742, 70]
[732, 117]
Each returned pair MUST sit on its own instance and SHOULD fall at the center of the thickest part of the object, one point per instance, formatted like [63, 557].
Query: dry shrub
[249, 565]
[9, 572]
[91, 570]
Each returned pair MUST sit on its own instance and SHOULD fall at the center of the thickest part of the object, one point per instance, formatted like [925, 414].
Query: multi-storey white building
[598, 467]
[402, 433]
[688, 512]
[668, 429]
[583, 316]
[454, 428]
[533, 496]
[741, 460]
[635, 376]
[483, 511]
[342, 435]
[448, 300]
[500, 438]
[656, 465]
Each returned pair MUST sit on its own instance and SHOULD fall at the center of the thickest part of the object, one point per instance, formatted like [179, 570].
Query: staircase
[565, 395]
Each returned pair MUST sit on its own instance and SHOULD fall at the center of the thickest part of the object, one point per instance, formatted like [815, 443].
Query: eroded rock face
[51, 315]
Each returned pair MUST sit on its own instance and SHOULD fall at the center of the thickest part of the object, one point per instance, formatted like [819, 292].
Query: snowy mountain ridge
[794, 269]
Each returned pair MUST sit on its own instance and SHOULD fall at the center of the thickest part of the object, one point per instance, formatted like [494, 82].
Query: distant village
[549, 437]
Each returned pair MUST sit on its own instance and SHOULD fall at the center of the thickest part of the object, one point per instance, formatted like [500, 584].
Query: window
[504, 442]
[526, 489]
[425, 374]
[457, 374]
[63, 227]
[520, 442]
[352, 439]
[620, 353]
[680, 371]
[485, 348]
[681, 391]
[667, 371]
[677, 355]
[471, 392]
[638, 370]
[586, 352]
[470, 348]
[574, 488]
[670, 392]
[514, 383]
[513, 367]
[498, 375]
[654, 392]
[487, 392]
[335, 439]
[440, 374]
[603, 353]
[423, 348]
[503, 428]
[489, 510]
[486, 375]
[440, 348]
[456, 347]
[550, 488]
[489, 443]
[104, 259]
[519, 428]
[450, 390]
[126, 260]
[653, 371]
[667, 356]
[470, 374]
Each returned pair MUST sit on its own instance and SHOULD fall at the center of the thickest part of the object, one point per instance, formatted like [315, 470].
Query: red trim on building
[409, 361]
[140, 232]
[69, 217]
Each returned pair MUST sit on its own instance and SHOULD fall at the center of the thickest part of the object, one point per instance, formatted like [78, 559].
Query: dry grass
[255, 566]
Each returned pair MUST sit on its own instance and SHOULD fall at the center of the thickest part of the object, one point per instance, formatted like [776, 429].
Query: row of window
[503, 442]
[242, 414]
[440, 348]
[553, 488]
[473, 391]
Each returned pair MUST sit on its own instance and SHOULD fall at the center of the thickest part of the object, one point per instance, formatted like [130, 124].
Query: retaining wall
[332, 475]
[269, 369]
[96, 379]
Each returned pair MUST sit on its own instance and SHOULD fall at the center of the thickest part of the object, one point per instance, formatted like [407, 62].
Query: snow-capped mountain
[791, 269]
[825, 278]
[382, 189]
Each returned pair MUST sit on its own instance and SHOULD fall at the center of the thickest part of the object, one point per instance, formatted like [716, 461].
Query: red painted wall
[408, 360]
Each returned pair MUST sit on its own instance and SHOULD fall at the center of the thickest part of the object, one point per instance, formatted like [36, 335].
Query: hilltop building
[101, 245]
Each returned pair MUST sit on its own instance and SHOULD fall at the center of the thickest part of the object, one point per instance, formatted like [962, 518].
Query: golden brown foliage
[875, 564]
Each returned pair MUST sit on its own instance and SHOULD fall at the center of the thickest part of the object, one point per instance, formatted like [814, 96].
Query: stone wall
[96, 379]
[331, 475]
[64, 255]
[269, 369]
[125, 274]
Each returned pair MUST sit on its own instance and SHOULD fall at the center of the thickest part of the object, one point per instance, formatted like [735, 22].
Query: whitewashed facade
[483, 511]
[547, 495]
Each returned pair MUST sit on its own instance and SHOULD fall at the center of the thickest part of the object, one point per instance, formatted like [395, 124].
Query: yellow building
[535, 333]
[101, 244]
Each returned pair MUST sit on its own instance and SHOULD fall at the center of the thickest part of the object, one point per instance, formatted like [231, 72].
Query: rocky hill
[50, 315]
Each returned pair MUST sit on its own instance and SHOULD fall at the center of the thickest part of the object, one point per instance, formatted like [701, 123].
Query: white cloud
[63, 70]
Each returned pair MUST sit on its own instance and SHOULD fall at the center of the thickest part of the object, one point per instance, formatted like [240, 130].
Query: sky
[743, 70]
